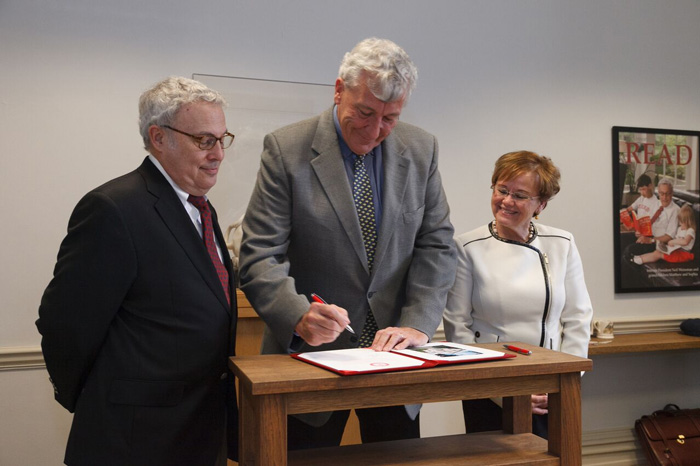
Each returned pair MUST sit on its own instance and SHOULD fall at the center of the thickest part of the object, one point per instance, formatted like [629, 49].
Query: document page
[360, 360]
[445, 351]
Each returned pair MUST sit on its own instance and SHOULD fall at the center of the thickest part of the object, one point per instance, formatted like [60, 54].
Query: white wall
[495, 75]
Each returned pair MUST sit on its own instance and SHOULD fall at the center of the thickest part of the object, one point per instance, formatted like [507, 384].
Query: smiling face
[513, 216]
[365, 121]
[191, 168]
[665, 194]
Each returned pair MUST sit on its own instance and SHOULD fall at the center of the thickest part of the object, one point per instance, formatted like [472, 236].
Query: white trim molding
[622, 326]
[29, 357]
[667, 324]
[21, 357]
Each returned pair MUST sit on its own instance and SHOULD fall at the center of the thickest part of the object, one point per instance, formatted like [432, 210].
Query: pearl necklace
[530, 233]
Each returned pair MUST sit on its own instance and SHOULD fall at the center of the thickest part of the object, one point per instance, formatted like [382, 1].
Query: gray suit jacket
[301, 235]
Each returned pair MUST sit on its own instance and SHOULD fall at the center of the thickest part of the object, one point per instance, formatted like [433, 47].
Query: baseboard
[611, 447]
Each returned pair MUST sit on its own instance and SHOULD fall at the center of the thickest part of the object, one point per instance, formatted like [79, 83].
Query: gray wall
[495, 75]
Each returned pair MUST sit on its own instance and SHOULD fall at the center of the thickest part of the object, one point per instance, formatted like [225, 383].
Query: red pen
[319, 299]
[518, 350]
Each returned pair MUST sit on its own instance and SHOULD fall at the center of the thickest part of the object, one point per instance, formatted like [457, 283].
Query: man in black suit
[139, 318]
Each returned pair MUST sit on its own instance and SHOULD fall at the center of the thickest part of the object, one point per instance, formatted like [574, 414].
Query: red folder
[366, 361]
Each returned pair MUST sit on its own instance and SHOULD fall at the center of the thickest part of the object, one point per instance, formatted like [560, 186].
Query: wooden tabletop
[276, 373]
[641, 342]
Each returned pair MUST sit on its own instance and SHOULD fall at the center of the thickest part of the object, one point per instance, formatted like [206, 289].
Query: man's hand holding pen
[322, 323]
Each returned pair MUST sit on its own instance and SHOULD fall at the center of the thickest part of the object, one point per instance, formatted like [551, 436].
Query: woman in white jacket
[518, 281]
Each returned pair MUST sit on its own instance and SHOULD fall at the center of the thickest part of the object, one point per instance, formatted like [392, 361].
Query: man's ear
[339, 88]
[157, 136]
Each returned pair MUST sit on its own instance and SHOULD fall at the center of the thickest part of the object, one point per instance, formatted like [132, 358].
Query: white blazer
[509, 291]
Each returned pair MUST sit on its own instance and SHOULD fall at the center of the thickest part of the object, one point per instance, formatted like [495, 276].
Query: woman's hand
[539, 403]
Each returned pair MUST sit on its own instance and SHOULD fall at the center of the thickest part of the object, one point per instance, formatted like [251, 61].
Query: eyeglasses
[207, 142]
[518, 196]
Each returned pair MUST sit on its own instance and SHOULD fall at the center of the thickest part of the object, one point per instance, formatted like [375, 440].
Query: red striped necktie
[208, 234]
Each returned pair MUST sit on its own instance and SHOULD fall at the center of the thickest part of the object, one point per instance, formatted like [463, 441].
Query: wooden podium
[273, 386]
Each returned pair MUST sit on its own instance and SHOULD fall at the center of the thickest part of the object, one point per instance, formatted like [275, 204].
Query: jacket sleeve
[264, 266]
[95, 267]
[578, 311]
[458, 310]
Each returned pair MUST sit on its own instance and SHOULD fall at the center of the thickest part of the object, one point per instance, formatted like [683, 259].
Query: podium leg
[565, 420]
[247, 429]
[271, 441]
[517, 414]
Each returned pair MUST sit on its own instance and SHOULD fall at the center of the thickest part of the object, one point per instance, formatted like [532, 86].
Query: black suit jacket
[136, 330]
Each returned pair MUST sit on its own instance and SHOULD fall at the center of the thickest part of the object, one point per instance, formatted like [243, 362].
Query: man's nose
[217, 151]
[374, 127]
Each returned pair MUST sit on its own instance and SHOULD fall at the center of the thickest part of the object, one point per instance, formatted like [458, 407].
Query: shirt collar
[181, 193]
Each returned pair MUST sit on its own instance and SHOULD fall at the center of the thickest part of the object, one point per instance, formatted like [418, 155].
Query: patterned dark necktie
[656, 215]
[208, 234]
[364, 204]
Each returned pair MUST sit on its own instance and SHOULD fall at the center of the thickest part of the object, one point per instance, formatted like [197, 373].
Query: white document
[445, 351]
[359, 360]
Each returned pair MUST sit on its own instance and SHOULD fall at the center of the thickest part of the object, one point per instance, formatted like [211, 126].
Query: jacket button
[370, 294]
[477, 334]
[223, 376]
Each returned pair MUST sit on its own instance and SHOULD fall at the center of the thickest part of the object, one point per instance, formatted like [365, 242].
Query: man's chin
[362, 149]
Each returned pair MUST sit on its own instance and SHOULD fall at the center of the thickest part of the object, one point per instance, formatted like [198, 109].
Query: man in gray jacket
[350, 205]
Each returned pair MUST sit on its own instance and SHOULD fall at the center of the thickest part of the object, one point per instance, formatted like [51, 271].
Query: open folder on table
[366, 361]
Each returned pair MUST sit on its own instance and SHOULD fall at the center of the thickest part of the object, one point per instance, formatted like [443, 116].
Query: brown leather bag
[670, 436]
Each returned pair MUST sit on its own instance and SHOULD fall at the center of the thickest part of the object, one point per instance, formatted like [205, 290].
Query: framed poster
[656, 203]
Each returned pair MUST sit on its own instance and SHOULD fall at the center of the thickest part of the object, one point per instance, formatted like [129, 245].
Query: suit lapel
[329, 169]
[180, 225]
[396, 169]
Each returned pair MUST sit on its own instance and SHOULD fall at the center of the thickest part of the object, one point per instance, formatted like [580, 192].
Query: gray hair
[159, 104]
[391, 74]
[667, 181]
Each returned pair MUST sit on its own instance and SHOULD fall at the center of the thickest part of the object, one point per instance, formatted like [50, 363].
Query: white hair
[159, 104]
[391, 75]
[667, 181]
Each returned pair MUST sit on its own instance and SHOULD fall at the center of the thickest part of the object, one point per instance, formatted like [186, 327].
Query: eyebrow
[207, 133]
[367, 109]
[516, 191]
